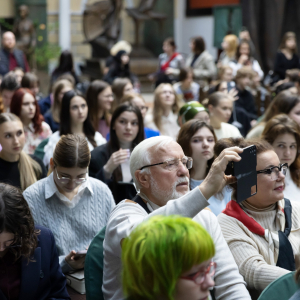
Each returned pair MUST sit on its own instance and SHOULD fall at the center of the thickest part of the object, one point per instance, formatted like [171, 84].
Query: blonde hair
[158, 109]
[30, 170]
[57, 88]
[233, 43]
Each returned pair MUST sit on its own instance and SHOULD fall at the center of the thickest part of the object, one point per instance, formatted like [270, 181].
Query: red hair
[16, 106]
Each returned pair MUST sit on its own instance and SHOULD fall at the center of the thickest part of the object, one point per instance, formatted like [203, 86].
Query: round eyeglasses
[274, 171]
[200, 276]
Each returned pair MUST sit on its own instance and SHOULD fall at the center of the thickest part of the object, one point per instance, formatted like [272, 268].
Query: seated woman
[24, 105]
[120, 87]
[68, 202]
[28, 255]
[170, 62]
[263, 231]
[157, 243]
[283, 134]
[193, 110]
[74, 119]
[110, 162]
[286, 57]
[52, 116]
[244, 58]
[99, 98]
[186, 89]
[16, 167]
[139, 101]
[220, 106]
[201, 61]
[30, 81]
[197, 140]
[165, 110]
[229, 45]
[285, 102]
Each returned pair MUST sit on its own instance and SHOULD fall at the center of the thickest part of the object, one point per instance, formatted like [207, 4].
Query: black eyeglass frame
[270, 170]
[166, 161]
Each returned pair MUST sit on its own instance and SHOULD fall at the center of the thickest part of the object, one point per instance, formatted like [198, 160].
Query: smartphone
[245, 173]
[230, 85]
[80, 254]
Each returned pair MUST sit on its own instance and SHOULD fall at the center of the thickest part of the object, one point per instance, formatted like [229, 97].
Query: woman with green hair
[192, 110]
[168, 258]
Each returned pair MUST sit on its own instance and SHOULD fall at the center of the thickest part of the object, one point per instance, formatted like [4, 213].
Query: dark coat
[49, 120]
[43, 278]
[99, 157]
[4, 60]
[45, 104]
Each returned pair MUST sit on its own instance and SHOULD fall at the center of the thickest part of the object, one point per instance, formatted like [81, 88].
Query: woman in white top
[283, 134]
[220, 106]
[197, 140]
[244, 58]
[165, 110]
[74, 118]
[110, 162]
[25, 106]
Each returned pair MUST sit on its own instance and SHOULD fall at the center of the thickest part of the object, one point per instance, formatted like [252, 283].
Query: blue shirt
[215, 204]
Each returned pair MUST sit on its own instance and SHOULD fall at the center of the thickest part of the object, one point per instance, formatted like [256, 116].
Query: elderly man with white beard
[159, 169]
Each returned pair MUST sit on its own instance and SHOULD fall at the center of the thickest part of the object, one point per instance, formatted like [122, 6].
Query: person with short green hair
[168, 258]
[193, 110]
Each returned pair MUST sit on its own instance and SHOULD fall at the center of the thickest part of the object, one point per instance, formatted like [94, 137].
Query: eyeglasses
[12, 244]
[173, 163]
[65, 180]
[199, 277]
[274, 171]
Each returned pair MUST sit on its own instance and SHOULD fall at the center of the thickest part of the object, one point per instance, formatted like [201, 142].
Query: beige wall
[7, 8]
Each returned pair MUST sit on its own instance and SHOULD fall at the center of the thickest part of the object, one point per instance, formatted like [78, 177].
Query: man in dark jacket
[10, 57]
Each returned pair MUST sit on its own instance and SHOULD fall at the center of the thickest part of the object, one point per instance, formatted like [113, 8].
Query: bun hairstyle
[261, 147]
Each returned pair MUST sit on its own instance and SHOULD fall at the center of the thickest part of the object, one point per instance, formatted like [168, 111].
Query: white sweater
[229, 284]
[226, 131]
[250, 250]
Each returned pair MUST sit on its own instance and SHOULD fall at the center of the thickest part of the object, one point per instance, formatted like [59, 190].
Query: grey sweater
[73, 227]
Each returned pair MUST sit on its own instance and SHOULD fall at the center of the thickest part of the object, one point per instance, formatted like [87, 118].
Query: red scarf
[165, 66]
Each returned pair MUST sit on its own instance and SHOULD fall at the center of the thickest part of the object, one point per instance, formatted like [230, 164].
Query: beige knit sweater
[250, 251]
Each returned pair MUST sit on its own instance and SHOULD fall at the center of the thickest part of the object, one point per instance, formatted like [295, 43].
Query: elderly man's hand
[216, 179]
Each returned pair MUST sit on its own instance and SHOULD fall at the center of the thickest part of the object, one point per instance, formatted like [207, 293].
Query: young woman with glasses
[262, 231]
[151, 251]
[197, 140]
[283, 134]
[74, 116]
[28, 255]
[110, 162]
[16, 167]
[74, 206]
[99, 97]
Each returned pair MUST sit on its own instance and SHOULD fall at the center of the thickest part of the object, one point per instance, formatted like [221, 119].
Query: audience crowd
[134, 196]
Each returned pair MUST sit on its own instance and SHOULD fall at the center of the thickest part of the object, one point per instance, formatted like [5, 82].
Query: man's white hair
[141, 156]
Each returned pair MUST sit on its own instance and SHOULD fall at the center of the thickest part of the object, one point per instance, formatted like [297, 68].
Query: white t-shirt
[226, 131]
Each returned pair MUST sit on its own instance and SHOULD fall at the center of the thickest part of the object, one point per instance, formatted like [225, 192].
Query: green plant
[46, 52]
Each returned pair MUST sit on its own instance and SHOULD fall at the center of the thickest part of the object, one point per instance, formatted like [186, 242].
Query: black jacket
[4, 60]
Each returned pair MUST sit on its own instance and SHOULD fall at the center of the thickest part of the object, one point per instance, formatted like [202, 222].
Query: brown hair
[157, 108]
[29, 80]
[287, 36]
[282, 124]
[214, 99]
[292, 74]
[117, 87]
[185, 135]
[16, 218]
[238, 53]
[244, 72]
[72, 151]
[57, 88]
[184, 72]
[30, 170]
[128, 98]
[95, 88]
[199, 44]
[222, 70]
[171, 42]
[261, 147]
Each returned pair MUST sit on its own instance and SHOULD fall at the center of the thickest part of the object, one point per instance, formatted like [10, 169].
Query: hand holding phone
[80, 254]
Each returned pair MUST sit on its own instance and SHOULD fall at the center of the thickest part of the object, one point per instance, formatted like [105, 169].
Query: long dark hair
[65, 118]
[16, 218]
[114, 142]
[65, 63]
[95, 88]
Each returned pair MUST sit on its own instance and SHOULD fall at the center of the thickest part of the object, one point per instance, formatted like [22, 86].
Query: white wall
[187, 27]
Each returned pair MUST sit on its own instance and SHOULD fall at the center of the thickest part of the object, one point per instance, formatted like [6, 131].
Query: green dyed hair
[158, 251]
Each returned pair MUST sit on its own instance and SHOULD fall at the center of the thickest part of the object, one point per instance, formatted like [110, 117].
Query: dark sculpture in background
[25, 34]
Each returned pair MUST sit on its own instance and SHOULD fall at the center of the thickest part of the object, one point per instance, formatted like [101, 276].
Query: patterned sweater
[73, 227]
